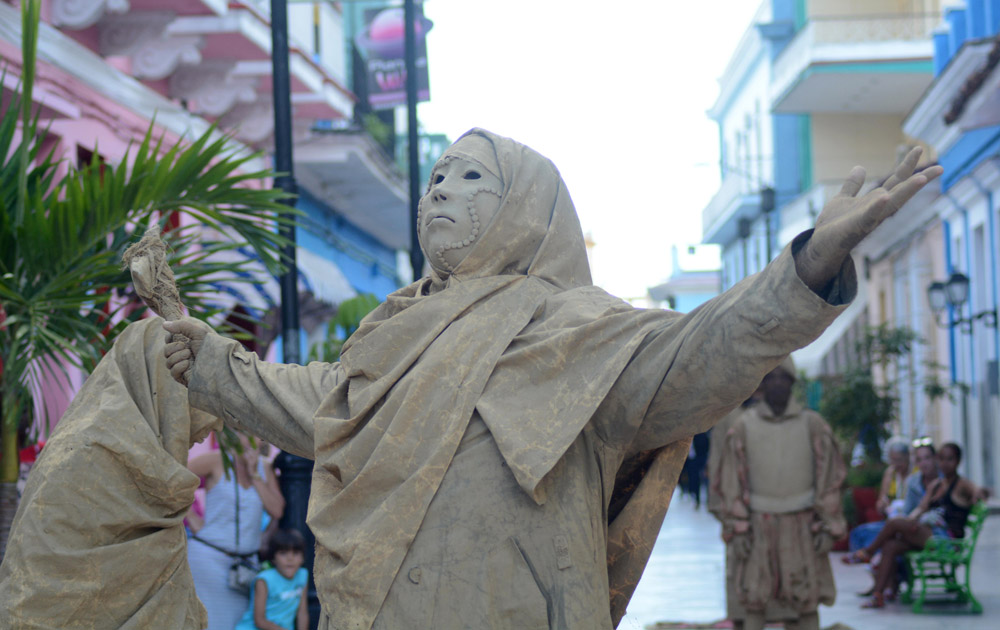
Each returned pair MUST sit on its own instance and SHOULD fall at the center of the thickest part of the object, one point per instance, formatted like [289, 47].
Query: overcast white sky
[615, 93]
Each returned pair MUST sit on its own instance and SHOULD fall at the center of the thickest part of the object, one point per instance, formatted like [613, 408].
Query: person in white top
[250, 492]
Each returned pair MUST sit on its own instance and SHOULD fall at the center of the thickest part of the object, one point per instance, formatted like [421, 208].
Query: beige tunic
[780, 483]
[486, 552]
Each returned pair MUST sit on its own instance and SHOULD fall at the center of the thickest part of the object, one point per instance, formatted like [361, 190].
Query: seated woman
[891, 496]
[942, 513]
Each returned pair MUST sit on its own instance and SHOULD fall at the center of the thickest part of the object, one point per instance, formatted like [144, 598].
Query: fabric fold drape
[98, 540]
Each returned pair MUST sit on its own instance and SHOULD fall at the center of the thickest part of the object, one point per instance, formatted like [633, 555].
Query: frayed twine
[151, 275]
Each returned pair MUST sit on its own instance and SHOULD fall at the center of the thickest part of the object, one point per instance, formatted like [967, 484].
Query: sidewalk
[685, 581]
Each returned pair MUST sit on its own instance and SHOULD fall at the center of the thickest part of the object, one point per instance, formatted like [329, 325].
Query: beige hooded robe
[468, 443]
[98, 540]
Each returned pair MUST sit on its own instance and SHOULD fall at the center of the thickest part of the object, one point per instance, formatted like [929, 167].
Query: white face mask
[460, 203]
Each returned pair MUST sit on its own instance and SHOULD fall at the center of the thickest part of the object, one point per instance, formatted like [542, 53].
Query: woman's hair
[923, 442]
[955, 449]
[899, 446]
[286, 540]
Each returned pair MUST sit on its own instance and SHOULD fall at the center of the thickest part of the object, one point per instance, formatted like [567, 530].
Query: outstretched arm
[711, 359]
[271, 400]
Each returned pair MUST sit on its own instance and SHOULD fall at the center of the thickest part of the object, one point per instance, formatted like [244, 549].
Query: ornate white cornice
[159, 58]
[142, 34]
[211, 87]
[250, 122]
[120, 35]
[79, 14]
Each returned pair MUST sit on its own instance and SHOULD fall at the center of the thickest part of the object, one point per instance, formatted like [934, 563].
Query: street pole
[767, 208]
[410, 54]
[296, 472]
[281, 91]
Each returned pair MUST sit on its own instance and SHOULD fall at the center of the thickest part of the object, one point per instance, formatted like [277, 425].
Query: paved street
[684, 581]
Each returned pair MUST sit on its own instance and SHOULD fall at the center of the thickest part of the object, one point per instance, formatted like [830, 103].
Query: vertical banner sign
[382, 43]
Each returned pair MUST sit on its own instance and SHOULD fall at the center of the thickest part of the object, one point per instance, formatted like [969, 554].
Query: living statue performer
[467, 444]
[780, 481]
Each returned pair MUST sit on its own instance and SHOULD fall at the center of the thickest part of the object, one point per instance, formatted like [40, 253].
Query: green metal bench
[937, 565]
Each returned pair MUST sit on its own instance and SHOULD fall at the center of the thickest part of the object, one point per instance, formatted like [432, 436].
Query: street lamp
[766, 208]
[955, 293]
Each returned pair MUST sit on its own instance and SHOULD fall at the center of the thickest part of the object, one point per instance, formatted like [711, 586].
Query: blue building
[812, 89]
[945, 268]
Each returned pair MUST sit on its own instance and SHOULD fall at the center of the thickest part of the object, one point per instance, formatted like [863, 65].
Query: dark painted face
[777, 388]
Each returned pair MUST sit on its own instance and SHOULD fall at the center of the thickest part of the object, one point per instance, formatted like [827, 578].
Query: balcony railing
[829, 32]
[732, 187]
[874, 28]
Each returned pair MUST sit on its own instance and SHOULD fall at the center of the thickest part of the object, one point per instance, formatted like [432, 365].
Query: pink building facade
[109, 69]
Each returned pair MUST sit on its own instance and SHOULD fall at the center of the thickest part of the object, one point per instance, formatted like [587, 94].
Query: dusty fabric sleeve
[829, 475]
[274, 401]
[694, 369]
[731, 484]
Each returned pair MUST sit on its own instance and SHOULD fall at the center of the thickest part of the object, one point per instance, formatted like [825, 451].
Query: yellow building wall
[842, 141]
[937, 419]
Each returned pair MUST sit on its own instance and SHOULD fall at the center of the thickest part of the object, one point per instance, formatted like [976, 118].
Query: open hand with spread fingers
[848, 218]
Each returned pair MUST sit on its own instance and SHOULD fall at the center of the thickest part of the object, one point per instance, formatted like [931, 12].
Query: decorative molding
[142, 34]
[120, 35]
[79, 14]
[250, 122]
[161, 57]
[210, 87]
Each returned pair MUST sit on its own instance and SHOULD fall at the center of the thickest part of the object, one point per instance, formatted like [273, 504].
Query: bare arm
[260, 607]
[971, 493]
[269, 492]
[194, 521]
[934, 492]
[302, 616]
[883, 494]
[208, 466]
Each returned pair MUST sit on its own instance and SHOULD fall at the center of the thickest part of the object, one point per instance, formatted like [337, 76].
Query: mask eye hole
[438, 179]
[472, 175]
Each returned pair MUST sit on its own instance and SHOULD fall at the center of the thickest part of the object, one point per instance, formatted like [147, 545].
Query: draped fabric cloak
[439, 349]
[477, 415]
[98, 539]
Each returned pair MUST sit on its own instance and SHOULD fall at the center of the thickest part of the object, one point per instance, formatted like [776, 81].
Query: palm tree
[63, 294]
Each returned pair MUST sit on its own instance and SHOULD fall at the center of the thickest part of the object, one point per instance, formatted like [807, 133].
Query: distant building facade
[108, 70]
[695, 279]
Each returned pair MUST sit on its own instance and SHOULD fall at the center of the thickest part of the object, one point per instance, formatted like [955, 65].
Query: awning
[261, 291]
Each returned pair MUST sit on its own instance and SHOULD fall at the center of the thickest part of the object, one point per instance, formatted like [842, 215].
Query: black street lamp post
[955, 293]
[296, 472]
[766, 208]
[413, 153]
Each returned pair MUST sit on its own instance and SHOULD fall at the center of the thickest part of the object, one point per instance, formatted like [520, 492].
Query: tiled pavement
[684, 581]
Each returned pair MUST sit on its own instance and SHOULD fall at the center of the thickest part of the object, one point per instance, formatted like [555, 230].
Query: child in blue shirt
[278, 599]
